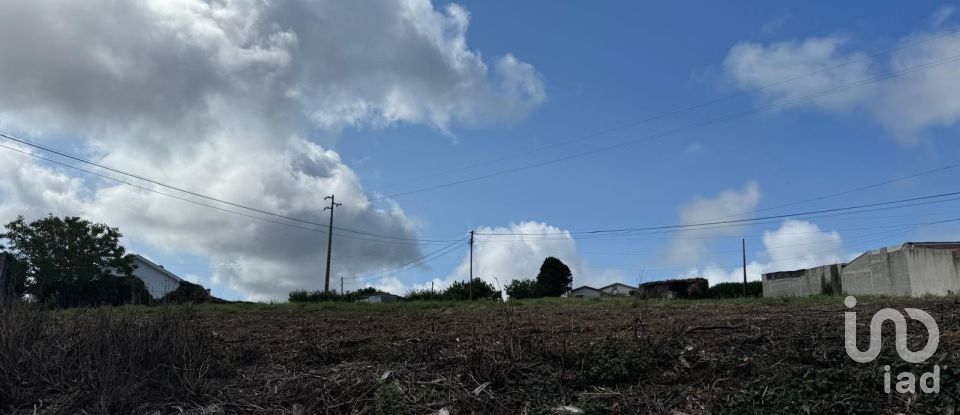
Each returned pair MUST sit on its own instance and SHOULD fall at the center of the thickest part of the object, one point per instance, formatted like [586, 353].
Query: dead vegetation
[662, 357]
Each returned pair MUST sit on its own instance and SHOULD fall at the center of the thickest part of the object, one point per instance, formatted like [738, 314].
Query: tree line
[553, 280]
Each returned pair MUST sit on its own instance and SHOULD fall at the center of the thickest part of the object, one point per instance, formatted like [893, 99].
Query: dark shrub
[303, 296]
[423, 295]
[735, 289]
[188, 293]
[520, 289]
[555, 278]
[460, 290]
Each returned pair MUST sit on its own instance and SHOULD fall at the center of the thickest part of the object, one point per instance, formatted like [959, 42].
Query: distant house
[681, 288]
[585, 292]
[379, 298]
[618, 290]
[158, 280]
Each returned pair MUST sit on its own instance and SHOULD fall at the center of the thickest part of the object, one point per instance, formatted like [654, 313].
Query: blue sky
[587, 68]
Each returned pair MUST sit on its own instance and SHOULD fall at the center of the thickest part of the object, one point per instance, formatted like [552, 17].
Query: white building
[379, 298]
[585, 292]
[617, 289]
[158, 280]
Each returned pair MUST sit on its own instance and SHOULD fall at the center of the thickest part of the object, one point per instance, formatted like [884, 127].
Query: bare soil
[656, 357]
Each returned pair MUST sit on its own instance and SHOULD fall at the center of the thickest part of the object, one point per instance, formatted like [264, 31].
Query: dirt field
[611, 357]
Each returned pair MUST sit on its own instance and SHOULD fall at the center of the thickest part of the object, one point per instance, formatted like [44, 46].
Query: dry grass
[103, 360]
[618, 358]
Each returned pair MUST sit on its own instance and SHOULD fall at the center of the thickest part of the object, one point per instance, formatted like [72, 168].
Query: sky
[532, 123]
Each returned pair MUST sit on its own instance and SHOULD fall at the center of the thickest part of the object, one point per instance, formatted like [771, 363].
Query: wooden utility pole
[471, 265]
[333, 204]
[341, 286]
[743, 245]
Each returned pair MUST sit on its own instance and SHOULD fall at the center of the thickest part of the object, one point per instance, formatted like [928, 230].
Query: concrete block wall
[883, 271]
[933, 271]
[801, 283]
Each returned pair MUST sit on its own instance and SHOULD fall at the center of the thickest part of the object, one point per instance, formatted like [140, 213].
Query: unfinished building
[825, 279]
[911, 269]
[683, 288]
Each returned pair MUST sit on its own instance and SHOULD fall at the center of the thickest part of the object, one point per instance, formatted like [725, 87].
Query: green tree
[69, 261]
[460, 291]
[555, 278]
[520, 289]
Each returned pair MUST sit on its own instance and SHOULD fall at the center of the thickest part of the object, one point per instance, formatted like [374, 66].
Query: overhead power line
[179, 189]
[689, 127]
[735, 221]
[671, 112]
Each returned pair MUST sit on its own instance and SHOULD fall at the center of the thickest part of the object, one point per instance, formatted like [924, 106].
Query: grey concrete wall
[818, 280]
[933, 271]
[881, 271]
[802, 285]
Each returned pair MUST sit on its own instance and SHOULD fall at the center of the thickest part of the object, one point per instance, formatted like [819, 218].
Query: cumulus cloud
[906, 105]
[796, 244]
[753, 65]
[501, 259]
[218, 97]
[687, 244]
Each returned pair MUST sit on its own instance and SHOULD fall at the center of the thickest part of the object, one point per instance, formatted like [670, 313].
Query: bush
[423, 295]
[460, 291]
[520, 289]
[303, 296]
[735, 289]
[189, 293]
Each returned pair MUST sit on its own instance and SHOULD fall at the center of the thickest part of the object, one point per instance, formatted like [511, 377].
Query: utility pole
[743, 245]
[471, 265]
[341, 285]
[333, 204]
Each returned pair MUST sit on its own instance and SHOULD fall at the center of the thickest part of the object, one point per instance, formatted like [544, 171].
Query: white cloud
[799, 244]
[774, 24]
[501, 259]
[906, 105]
[729, 204]
[753, 65]
[796, 244]
[216, 97]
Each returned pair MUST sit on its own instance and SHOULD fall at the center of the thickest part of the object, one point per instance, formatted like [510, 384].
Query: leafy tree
[555, 278]
[69, 261]
[520, 289]
[460, 291]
